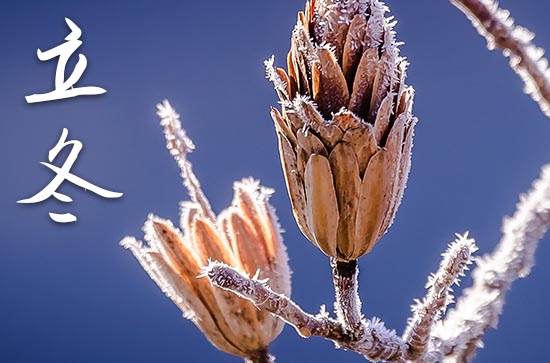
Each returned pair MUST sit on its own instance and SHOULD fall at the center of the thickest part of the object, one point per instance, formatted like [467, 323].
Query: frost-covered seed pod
[346, 126]
[245, 236]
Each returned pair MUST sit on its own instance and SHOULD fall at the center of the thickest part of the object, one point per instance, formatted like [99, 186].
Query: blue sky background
[69, 293]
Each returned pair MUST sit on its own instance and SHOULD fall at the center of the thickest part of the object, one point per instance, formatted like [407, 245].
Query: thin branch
[264, 298]
[348, 304]
[526, 59]
[377, 342]
[427, 311]
[179, 146]
[478, 309]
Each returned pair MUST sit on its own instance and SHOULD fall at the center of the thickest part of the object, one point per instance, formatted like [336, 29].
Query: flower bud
[346, 126]
[246, 236]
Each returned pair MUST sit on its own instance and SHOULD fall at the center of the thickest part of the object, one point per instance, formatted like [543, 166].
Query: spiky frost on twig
[375, 343]
[526, 59]
[179, 146]
[478, 309]
[348, 303]
[428, 310]
[227, 278]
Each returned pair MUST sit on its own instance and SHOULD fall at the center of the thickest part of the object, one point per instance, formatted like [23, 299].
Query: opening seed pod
[246, 236]
[346, 126]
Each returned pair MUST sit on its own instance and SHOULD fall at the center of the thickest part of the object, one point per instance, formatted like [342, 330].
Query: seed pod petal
[394, 146]
[180, 290]
[382, 122]
[299, 69]
[406, 101]
[208, 242]
[306, 47]
[346, 120]
[301, 62]
[251, 203]
[384, 79]
[242, 237]
[308, 113]
[401, 87]
[330, 89]
[404, 167]
[189, 212]
[347, 183]
[322, 206]
[363, 142]
[287, 92]
[329, 133]
[308, 144]
[169, 243]
[188, 266]
[246, 259]
[295, 185]
[282, 126]
[253, 233]
[296, 122]
[293, 73]
[373, 203]
[353, 47]
[363, 83]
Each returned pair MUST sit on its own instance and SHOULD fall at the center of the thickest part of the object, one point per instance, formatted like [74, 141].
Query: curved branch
[527, 60]
[480, 306]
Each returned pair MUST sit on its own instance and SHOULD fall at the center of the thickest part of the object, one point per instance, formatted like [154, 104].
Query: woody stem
[261, 356]
[370, 339]
[348, 304]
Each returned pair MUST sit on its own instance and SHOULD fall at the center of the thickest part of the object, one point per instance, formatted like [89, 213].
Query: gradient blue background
[69, 293]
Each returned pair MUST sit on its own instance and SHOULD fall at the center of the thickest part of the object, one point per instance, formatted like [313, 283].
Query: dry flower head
[346, 126]
[246, 236]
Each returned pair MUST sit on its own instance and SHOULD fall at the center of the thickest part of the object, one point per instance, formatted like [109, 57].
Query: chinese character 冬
[64, 87]
[63, 174]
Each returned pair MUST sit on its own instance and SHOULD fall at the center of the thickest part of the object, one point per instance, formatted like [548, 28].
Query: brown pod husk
[346, 124]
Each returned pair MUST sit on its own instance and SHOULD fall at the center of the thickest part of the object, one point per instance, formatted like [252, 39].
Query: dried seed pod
[246, 236]
[346, 126]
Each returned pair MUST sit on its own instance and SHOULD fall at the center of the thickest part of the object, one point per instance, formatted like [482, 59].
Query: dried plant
[246, 235]
[346, 128]
[345, 133]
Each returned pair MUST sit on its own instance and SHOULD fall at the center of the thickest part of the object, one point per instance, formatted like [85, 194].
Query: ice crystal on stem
[179, 146]
[348, 304]
[428, 310]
